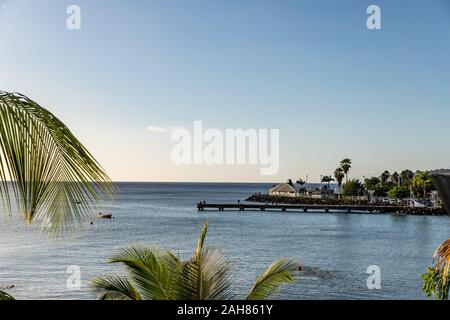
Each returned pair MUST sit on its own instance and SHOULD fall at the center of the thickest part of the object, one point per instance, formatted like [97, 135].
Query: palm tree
[406, 176]
[346, 165]
[422, 183]
[339, 176]
[396, 179]
[327, 180]
[384, 177]
[53, 177]
[436, 279]
[156, 274]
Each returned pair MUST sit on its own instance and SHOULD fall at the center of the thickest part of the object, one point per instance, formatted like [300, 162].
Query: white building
[287, 190]
[284, 189]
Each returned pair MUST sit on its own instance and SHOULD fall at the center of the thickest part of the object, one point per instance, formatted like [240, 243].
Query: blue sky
[310, 68]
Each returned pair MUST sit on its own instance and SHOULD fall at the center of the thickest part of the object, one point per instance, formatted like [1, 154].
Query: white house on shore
[284, 189]
[287, 190]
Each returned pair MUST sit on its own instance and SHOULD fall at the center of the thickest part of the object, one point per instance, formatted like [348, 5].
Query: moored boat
[105, 215]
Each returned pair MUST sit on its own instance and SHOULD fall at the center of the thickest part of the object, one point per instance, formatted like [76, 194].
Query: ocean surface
[334, 249]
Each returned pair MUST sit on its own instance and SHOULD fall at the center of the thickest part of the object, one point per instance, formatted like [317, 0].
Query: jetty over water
[202, 206]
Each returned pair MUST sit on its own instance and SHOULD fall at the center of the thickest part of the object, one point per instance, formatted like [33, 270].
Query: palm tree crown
[346, 165]
[156, 274]
[339, 176]
[327, 180]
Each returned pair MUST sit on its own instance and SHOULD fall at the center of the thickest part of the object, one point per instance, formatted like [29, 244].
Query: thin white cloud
[162, 129]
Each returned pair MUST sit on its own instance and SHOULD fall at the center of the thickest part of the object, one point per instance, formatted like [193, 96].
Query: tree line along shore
[271, 199]
[414, 192]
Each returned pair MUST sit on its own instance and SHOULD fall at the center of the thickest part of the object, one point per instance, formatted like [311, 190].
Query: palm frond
[201, 241]
[442, 257]
[5, 296]
[54, 178]
[279, 272]
[206, 277]
[114, 288]
[153, 272]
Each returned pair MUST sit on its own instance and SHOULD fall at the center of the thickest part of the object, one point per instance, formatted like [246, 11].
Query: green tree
[372, 183]
[436, 279]
[300, 181]
[346, 165]
[289, 182]
[154, 274]
[422, 184]
[395, 178]
[53, 177]
[353, 188]
[339, 176]
[406, 176]
[327, 180]
[384, 177]
[399, 192]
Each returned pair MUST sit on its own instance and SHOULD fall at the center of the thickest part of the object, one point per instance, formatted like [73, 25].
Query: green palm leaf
[54, 179]
[153, 272]
[5, 296]
[115, 288]
[207, 275]
[279, 272]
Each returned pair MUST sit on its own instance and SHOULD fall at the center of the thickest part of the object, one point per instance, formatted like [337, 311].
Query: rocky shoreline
[416, 211]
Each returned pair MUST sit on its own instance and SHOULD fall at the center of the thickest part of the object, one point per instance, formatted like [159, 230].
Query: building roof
[283, 187]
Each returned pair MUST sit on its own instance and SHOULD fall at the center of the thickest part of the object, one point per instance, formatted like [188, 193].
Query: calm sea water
[334, 249]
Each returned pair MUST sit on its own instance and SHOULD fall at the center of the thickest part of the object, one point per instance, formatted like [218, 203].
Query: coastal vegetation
[436, 281]
[353, 188]
[343, 201]
[395, 186]
[401, 187]
[157, 274]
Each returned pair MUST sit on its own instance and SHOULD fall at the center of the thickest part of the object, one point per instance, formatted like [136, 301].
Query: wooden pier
[202, 206]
